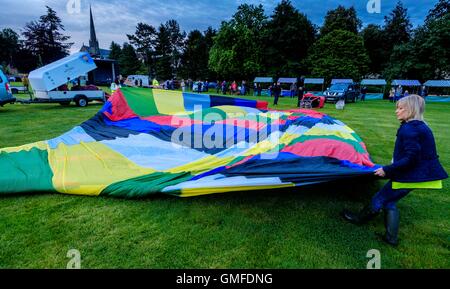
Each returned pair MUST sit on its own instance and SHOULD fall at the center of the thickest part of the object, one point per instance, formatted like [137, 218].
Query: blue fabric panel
[194, 99]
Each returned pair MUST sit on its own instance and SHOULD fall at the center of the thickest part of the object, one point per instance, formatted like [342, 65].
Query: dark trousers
[275, 102]
[387, 197]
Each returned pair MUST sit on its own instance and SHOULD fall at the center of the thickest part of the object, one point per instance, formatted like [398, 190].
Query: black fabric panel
[296, 169]
[100, 131]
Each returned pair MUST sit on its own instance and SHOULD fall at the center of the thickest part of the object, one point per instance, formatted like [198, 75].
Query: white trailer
[46, 80]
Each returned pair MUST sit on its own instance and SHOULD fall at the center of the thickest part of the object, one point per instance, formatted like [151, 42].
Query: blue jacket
[415, 155]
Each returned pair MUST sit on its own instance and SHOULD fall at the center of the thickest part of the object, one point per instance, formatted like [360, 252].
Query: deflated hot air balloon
[147, 141]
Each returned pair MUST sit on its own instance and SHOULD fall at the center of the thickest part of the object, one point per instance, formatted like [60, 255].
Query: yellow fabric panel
[42, 145]
[259, 148]
[214, 190]
[233, 111]
[287, 138]
[202, 165]
[322, 132]
[437, 185]
[88, 168]
[169, 102]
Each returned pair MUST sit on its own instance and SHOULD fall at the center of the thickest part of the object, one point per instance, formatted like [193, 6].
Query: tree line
[251, 44]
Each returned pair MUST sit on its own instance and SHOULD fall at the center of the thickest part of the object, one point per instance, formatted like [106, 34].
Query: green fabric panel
[208, 113]
[145, 185]
[357, 137]
[305, 138]
[236, 160]
[25, 171]
[140, 100]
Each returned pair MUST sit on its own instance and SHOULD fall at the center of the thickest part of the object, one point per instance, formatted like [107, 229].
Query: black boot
[391, 222]
[365, 215]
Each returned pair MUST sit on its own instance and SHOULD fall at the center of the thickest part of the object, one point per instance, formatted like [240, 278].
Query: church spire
[94, 48]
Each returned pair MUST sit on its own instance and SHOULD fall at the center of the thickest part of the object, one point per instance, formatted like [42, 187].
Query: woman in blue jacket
[415, 165]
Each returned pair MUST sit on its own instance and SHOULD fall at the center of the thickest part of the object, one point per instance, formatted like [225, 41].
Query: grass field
[298, 228]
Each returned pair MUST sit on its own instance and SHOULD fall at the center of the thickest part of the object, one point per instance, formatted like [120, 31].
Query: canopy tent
[444, 84]
[265, 92]
[346, 80]
[375, 82]
[287, 80]
[149, 141]
[263, 80]
[405, 82]
[437, 83]
[315, 81]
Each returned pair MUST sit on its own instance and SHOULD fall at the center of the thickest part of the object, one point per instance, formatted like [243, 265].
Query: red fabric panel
[172, 120]
[262, 104]
[120, 109]
[329, 148]
[250, 124]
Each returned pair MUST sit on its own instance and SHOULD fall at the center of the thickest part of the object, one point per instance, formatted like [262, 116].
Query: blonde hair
[415, 105]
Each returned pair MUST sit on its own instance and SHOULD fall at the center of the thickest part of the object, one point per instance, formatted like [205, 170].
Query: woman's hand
[380, 173]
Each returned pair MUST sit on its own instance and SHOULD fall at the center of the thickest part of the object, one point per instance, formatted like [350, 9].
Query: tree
[128, 61]
[9, 44]
[177, 39]
[25, 60]
[287, 38]
[441, 9]
[397, 26]
[144, 40]
[341, 19]
[427, 55]
[195, 56]
[237, 49]
[345, 57]
[194, 61]
[116, 51]
[44, 38]
[163, 65]
[373, 38]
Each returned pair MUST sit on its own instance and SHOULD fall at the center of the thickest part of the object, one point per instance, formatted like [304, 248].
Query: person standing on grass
[363, 93]
[293, 89]
[276, 93]
[301, 92]
[415, 166]
[218, 87]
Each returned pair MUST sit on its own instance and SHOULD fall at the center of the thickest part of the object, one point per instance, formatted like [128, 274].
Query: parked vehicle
[18, 89]
[5, 90]
[135, 80]
[49, 83]
[342, 91]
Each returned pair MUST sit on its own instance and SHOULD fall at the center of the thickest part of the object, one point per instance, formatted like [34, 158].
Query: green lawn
[289, 228]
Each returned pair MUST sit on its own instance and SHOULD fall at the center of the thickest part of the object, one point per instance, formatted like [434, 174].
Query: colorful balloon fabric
[147, 141]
